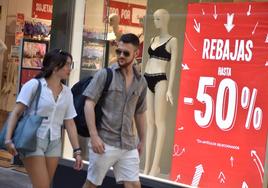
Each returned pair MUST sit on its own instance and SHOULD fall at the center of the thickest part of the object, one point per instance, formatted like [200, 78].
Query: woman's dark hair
[54, 59]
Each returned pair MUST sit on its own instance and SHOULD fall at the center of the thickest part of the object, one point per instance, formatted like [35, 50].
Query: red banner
[42, 9]
[221, 127]
[129, 13]
[19, 28]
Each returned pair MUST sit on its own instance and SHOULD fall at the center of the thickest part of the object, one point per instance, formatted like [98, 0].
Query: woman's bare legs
[40, 170]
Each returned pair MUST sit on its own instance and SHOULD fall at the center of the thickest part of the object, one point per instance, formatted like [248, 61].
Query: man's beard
[125, 64]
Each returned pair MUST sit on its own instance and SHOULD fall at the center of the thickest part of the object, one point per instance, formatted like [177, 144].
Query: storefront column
[62, 24]
[75, 49]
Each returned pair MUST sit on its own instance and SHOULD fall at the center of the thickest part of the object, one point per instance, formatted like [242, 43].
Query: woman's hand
[78, 165]
[169, 97]
[11, 148]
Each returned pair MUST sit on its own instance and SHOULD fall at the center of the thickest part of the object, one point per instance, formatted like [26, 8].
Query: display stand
[95, 54]
[32, 54]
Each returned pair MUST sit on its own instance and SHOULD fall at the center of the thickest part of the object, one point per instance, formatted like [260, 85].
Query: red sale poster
[221, 126]
[42, 9]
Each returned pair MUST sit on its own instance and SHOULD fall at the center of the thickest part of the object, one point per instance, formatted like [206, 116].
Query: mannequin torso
[155, 65]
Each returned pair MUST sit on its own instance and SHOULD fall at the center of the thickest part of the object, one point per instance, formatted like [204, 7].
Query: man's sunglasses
[119, 52]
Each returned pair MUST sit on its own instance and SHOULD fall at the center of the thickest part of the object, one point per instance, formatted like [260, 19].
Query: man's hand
[97, 144]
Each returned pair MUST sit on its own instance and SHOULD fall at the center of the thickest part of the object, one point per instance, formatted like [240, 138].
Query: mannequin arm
[140, 121]
[174, 56]
[117, 32]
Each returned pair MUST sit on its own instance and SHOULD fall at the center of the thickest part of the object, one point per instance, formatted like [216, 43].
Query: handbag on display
[24, 136]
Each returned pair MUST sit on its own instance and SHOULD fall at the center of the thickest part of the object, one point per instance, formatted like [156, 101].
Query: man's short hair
[130, 38]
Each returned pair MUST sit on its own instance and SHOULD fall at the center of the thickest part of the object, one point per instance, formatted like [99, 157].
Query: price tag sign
[221, 126]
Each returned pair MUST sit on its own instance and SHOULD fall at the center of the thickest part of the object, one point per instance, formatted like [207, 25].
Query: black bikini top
[160, 52]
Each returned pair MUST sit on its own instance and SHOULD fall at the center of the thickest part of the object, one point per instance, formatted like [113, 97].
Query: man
[115, 144]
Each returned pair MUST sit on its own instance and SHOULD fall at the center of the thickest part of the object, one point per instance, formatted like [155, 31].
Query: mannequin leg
[149, 130]
[160, 122]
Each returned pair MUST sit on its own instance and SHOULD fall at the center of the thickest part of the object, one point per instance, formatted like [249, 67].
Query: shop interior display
[36, 30]
[34, 46]
[94, 50]
[9, 86]
[9, 90]
[99, 48]
[89, 34]
[93, 54]
[33, 53]
[35, 37]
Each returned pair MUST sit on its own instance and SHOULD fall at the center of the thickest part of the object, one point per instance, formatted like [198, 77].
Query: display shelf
[32, 54]
[94, 55]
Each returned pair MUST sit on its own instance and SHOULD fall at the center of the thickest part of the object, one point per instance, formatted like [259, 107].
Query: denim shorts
[45, 148]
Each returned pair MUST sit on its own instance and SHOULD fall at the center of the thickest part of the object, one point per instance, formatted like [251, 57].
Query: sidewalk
[12, 176]
[13, 179]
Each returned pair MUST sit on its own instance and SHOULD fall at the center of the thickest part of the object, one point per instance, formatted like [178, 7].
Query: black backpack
[79, 103]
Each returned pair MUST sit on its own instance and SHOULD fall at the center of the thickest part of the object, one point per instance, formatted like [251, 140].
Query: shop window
[105, 21]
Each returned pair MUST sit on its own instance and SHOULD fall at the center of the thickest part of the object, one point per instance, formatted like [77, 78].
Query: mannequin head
[161, 18]
[114, 19]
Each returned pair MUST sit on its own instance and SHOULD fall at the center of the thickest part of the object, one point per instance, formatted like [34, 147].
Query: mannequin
[163, 54]
[114, 23]
[113, 37]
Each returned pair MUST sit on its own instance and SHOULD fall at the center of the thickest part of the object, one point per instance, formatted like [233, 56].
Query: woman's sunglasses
[70, 64]
[119, 52]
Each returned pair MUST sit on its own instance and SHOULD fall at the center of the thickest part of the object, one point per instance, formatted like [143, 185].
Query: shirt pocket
[134, 97]
[114, 98]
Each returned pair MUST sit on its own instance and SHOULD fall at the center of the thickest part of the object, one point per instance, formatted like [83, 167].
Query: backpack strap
[109, 78]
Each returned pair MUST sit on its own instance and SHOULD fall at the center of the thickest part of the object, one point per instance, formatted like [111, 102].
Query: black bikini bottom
[153, 79]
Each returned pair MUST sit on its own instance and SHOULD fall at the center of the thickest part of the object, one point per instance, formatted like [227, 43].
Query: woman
[55, 103]
[162, 52]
